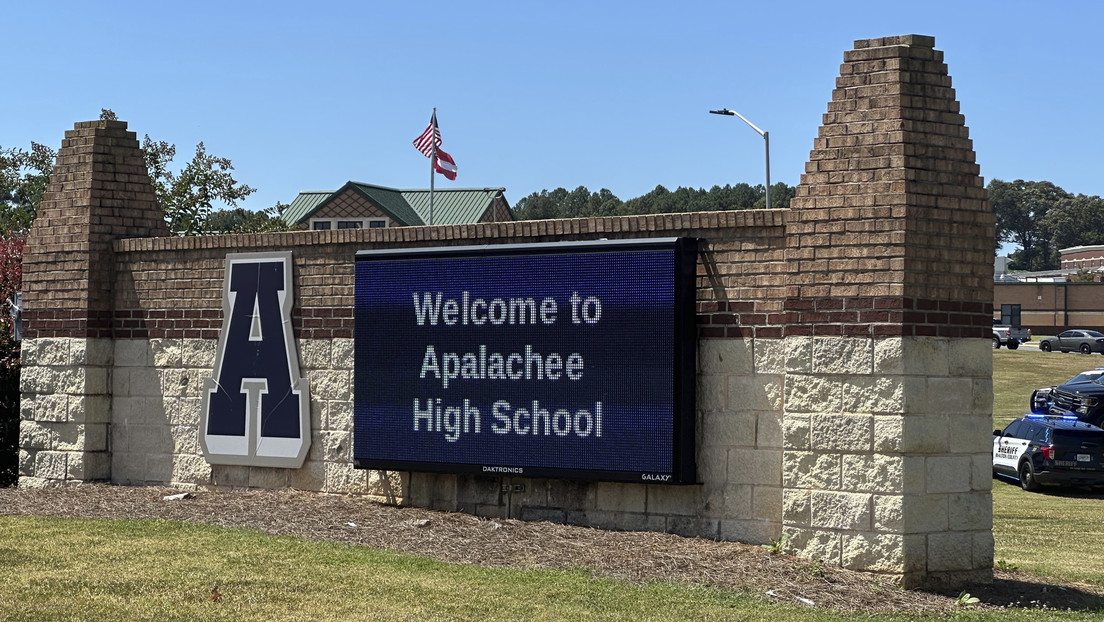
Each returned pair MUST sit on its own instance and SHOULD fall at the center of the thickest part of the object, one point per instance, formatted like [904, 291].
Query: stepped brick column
[888, 387]
[99, 191]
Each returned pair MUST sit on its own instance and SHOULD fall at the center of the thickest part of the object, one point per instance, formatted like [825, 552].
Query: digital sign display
[572, 360]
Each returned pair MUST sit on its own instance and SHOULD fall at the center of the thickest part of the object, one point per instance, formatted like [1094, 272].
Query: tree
[1021, 208]
[24, 176]
[11, 276]
[187, 197]
[240, 220]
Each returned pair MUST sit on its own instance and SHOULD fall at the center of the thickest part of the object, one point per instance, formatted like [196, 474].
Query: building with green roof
[358, 205]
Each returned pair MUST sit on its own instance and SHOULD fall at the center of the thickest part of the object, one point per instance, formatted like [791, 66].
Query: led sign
[567, 360]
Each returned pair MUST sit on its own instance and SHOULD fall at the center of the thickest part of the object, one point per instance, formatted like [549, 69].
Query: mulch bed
[465, 539]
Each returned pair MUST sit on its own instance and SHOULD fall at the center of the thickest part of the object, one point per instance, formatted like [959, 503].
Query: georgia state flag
[445, 165]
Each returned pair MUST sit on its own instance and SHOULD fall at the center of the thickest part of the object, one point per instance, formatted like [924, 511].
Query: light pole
[766, 142]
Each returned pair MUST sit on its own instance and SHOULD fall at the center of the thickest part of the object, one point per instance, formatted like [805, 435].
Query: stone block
[873, 473]
[337, 446]
[27, 408]
[754, 392]
[949, 474]
[949, 396]
[767, 503]
[889, 513]
[53, 408]
[139, 410]
[770, 356]
[983, 549]
[982, 404]
[693, 527]
[390, 486]
[843, 355]
[183, 410]
[311, 476]
[809, 470]
[618, 497]
[888, 433]
[799, 355]
[727, 429]
[339, 416]
[341, 477]
[841, 510]
[51, 464]
[343, 353]
[796, 432]
[797, 506]
[149, 439]
[982, 472]
[185, 440]
[813, 394]
[314, 354]
[711, 393]
[925, 513]
[95, 352]
[814, 544]
[925, 434]
[50, 351]
[95, 436]
[198, 353]
[331, 385]
[768, 431]
[90, 408]
[159, 468]
[725, 356]
[166, 352]
[833, 432]
[750, 531]
[971, 434]
[926, 356]
[268, 478]
[873, 552]
[26, 462]
[950, 551]
[738, 501]
[230, 476]
[875, 395]
[145, 382]
[712, 463]
[972, 358]
[37, 380]
[889, 356]
[132, 353]
[190, 469]
[970, 511]
[89, 466]
[755, 466]
[38, 436]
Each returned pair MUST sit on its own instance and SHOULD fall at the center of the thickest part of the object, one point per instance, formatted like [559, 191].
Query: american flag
[429, 138]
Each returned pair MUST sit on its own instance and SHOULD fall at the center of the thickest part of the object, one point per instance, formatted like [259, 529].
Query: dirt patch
[465, 539]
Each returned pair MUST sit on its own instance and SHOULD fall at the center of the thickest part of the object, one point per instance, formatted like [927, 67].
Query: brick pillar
[99, 191]
[888, 386]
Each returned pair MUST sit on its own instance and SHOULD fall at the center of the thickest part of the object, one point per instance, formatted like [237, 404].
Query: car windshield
[1086, 376]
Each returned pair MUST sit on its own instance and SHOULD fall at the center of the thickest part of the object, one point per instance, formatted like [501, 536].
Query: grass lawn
[1059, 533]
[60, 569]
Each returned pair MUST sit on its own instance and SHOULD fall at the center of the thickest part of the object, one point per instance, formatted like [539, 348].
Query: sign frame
[683, 335]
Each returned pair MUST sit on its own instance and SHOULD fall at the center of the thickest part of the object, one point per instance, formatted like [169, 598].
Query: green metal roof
[304, 205]
[451, 206]
[459, 206]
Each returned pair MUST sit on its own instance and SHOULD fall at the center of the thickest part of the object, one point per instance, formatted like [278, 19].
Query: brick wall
[844, 389]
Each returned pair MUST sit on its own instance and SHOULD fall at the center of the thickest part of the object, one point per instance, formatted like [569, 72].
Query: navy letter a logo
[256, 409]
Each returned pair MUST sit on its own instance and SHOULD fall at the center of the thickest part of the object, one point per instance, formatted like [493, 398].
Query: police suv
[1050, 450]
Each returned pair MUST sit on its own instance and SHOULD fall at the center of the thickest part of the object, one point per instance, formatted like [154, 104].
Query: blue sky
[536, 95]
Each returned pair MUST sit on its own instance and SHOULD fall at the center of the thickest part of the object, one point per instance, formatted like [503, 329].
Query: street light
[766, 141]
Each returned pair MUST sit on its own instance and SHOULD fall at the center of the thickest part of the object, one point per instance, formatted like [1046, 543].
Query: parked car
[1045, 450]
[1043, 398]
[1078, 340]
[1009, 336]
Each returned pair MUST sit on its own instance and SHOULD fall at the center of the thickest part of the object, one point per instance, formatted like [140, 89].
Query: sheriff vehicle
[1049, 450]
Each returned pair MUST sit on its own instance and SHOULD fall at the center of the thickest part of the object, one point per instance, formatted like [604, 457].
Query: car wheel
[996, 343]
[1027, 477]
[1085, 349]
[1012, 345]
[1045, 346]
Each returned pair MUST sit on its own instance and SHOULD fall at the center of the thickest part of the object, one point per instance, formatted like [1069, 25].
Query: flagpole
[432, 163]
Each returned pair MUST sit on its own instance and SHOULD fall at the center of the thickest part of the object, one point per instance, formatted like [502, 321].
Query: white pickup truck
[1009, 336]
